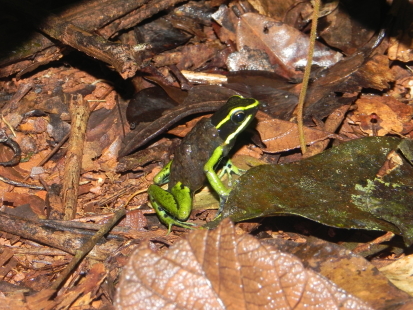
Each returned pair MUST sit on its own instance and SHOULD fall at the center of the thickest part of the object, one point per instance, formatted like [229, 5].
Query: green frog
[196, 159]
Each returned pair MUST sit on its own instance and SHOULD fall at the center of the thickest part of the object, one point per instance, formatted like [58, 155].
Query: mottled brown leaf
[381, 115]
[375, 73]
[220, 270]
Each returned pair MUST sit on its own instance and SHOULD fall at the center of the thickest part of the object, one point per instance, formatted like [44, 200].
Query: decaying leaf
[346, 27]
[401, 43]
[221, 270]
[375, 73]
[338, 188]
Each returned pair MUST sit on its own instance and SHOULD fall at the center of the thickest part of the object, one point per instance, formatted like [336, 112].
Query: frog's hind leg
[172, 207]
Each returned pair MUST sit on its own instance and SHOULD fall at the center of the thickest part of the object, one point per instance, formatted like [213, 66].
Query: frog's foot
[170, 222]
[229, 168]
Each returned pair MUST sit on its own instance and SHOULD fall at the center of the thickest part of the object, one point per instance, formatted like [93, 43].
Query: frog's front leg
[229, 168]
[214, 179]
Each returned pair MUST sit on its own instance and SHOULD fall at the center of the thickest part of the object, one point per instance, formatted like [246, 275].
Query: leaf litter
[352, 80]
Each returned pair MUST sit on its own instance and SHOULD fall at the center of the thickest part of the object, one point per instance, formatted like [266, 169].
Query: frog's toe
[186, 225]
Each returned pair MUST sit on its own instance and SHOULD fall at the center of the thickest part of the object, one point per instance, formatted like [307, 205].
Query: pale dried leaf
[400, 273]
[285, 46]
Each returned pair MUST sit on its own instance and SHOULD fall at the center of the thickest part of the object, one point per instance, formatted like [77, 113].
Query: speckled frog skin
[195, 161]
[195, 150]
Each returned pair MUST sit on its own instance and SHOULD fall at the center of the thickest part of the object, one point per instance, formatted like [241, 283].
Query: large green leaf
[338, 188]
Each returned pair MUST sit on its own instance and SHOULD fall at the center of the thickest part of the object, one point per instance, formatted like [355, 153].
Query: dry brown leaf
[218, 269]
[267, 7]
[381, 115]
[375, 73]
[182, 130]
[87, 290]
[280, 136]
[345, 28]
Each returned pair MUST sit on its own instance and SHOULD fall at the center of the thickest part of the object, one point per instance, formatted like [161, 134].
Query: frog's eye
[238, 116]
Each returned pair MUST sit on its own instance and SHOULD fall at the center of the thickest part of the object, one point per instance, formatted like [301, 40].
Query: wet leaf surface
[148, 105]
[221, 270]
[301, 189]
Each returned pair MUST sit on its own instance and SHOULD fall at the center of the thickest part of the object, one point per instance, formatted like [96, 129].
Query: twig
[14, 161]
[21, 92]
[87, 247]
[54, 151]
[8, 125]
[306, 78]
[134, 194]
[59, 145]
[5, 139]
[21, 184]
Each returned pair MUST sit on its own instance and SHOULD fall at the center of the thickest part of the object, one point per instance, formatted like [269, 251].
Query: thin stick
[306, 78]
[87, 247]
[80, 112]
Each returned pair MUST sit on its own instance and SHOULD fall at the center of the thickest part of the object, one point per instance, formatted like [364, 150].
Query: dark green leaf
[338, 188]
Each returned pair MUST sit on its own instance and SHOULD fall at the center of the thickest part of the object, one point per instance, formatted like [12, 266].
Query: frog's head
[234, 116]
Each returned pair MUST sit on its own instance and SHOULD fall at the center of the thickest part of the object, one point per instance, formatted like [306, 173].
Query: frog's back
[190, 157]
